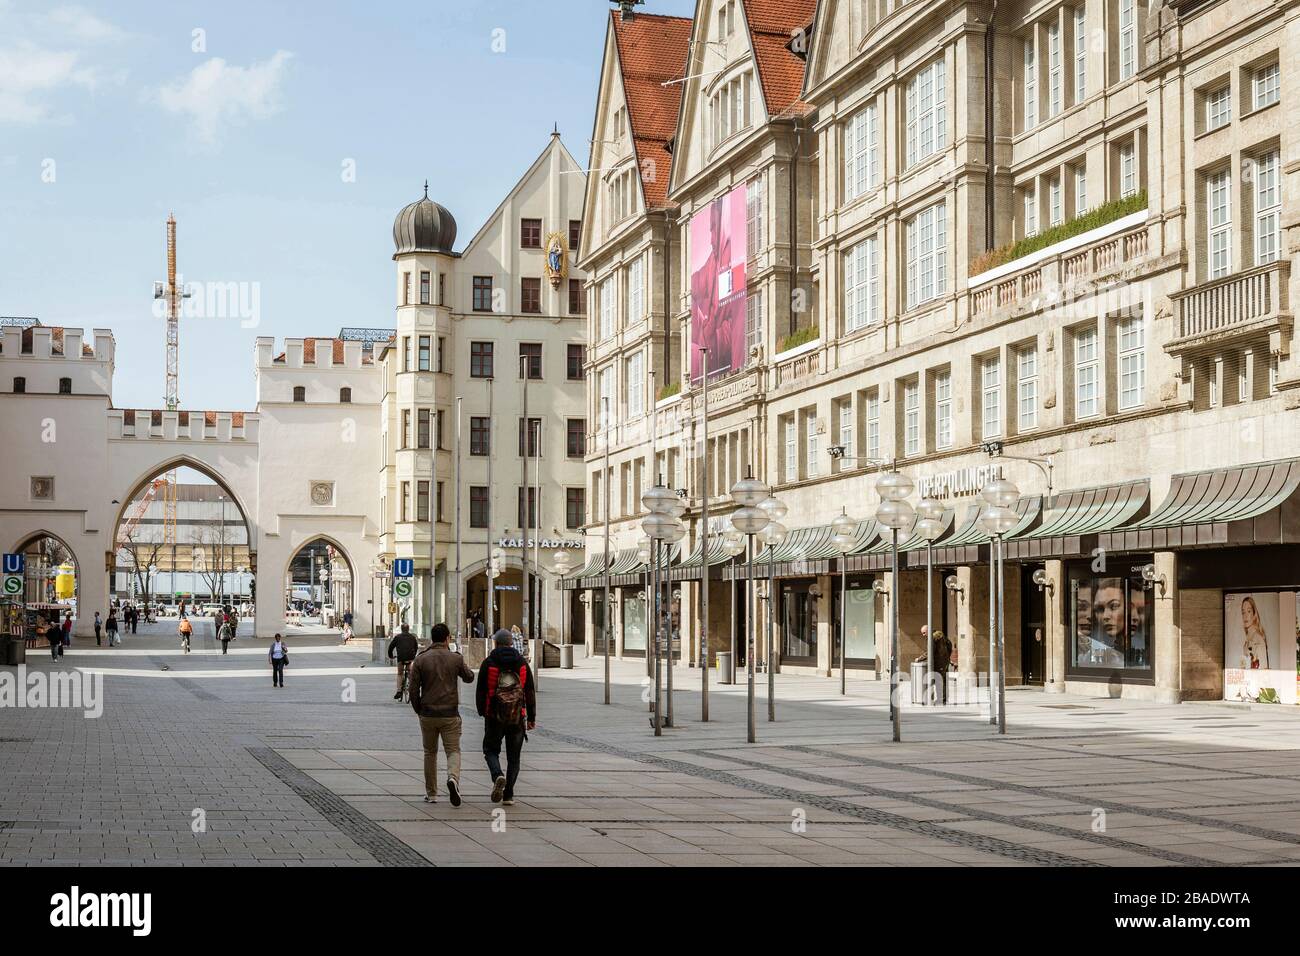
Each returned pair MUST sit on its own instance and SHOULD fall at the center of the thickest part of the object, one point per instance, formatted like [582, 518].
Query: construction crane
[128, 526]
[173, 293]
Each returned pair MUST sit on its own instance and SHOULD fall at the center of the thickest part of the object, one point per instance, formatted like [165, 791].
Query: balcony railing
[801, 366]
[1233, 302]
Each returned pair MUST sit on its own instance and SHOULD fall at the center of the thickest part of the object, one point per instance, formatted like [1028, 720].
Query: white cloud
[78, 23]
[28, 71]
[215, 93]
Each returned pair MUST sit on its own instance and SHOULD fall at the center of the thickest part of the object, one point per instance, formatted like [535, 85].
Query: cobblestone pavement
[198, 759]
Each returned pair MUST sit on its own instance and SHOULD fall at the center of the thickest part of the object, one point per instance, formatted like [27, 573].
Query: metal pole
[733, 617]
[844, 620]
[487, 571]
[929, 620]
[654, 635]
[605, 484]
[537, 540]
[1002, 646]
[668, 618]
[993, 626]
[460, 597]
[704, 547]
[771, 615]
[525, 590]
[752, 616]
[893, 644]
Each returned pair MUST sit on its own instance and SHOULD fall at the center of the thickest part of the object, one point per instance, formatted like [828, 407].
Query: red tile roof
[772, 23]
[651, 50]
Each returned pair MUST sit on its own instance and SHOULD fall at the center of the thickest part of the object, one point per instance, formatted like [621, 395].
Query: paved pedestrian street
[199, 760]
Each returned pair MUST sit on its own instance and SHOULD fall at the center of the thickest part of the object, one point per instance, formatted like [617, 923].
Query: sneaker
[397, 696]
[498, 788]
[429, 799]
[508, 802]
[453, 791]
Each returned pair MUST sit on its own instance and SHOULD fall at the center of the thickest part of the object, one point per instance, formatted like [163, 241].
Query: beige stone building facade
[1051, 240]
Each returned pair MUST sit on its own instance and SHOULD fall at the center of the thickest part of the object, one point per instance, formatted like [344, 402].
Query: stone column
[1057, 627]
[825, 627]
[1168, 633]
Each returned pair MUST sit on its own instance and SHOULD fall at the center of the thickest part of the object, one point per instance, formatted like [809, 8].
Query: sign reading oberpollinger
[958, 482]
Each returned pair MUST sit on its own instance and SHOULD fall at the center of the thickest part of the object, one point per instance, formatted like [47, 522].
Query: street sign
[402, 587]
[15, 563]
[13, 584]
[392, 607]
[403, 567]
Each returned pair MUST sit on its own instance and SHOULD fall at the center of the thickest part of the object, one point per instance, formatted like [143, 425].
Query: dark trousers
[493, 733]
[224, 645]
[56, 649]
[97, 644]
[277, 672]
[941, 684]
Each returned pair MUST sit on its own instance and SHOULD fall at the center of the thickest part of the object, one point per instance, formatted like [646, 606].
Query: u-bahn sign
[403, 567]
[14, 563]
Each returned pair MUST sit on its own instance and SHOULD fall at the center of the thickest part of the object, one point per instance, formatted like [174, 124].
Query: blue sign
[14, 563]
[403, 567]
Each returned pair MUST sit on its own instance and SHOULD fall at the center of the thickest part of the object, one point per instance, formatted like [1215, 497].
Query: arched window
[20, 385]
[65, 386]
[345, 395]
[300, 393]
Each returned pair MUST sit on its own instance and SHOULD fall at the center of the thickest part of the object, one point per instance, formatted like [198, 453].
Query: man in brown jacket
[435, 696]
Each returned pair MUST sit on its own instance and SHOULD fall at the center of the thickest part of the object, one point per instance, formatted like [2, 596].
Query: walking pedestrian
[226, 635]
[507, 702]
[347, 631]
[52, 633]
[110, 627]
[404, 646]
[279, 658]
[135, 619]
[99, 626]
[435, 698]
[67, 633]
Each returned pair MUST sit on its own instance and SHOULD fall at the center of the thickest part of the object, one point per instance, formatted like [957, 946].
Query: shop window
[798, 623]
[1111, 621]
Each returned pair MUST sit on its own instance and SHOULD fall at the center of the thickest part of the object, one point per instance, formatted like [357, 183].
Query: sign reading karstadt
[572, 543]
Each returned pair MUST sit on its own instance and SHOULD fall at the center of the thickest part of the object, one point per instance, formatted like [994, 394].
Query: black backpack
[508, 698]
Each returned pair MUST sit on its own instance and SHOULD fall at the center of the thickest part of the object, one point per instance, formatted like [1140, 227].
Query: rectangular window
[1055, 78]
[844, 416]
[422, 428]
[927, 255]
[926, 113]
[577, 300]
[790, 439]
[861, 153]
[575, 237]
[753, 323]
[1218, 204]
[862, 285]
[1218, 107]
[810, 444]
[1055, 202]
[424, 288]
[1026, 389]
[1127, 38]
[1086, 368]
[406, 353]
[534, 437]
[482, 300]
[442, 515]
[442, 288]
[1080, 54]
[438, 431]
[912, 418]
[1080, 189]
[530, 233]
[1130, 336]
[636, 290]
[943, 409]
[532, 507]
[425, 354]
[606, 292]
[530, 295]
[1268, 208]
[753, 217]
[1030, 199]
[480, 359]
[405, 509]
[636, 385]
[575, 507]
[606, 412]
[478, 507]
[406, 428]
[873, 426]
[530, 359]
[991, 397]
[1128, 174]
[406, 288]
[480, 436]
[576, 430]
[575, 362]
[442, 353]
[1031, 83]
[421, 501]
[1266, 86]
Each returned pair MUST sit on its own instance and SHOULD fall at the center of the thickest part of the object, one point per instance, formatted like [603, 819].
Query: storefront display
[1111, 623]
[860, 624]
[798, 623]
[634, 622]
[1260, 661]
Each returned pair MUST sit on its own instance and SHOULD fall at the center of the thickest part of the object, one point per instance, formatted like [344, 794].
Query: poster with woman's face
[1259, 647]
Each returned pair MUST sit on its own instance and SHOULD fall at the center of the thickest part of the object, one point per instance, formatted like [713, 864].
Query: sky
[284, 136]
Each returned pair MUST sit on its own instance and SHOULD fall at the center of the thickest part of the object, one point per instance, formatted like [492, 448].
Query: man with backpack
[507, 702]
[435, 697]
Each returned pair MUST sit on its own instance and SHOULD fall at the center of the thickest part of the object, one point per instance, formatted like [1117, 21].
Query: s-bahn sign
[958, 483]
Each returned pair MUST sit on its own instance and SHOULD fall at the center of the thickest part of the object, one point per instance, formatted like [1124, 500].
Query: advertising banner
[1259, 647]
[718, 254]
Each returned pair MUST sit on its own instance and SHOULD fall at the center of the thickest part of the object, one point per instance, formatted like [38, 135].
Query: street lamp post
[645, 555]
[843, 542]
[733, 542]
[929, 525]
[998, 518]
[662, 528]
[749, 520]
[563, 561]
[704, 538]
[895, 514]
[773, 535]
[605, 486]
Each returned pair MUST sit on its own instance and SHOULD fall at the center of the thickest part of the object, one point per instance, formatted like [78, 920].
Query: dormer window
[730, 106]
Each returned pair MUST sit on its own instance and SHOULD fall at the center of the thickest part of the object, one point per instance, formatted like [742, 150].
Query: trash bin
[726, 670]
[16, 652]
[918, 682]
[566, 657]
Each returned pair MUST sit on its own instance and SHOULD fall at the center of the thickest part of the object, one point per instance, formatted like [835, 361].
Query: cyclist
[404, 646]
[185, 628]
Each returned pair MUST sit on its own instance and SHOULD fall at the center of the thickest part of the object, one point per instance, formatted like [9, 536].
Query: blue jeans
[493, 732]
[277, 671]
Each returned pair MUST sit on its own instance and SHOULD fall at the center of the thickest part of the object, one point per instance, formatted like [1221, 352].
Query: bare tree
[142, 556]
[210, 557]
